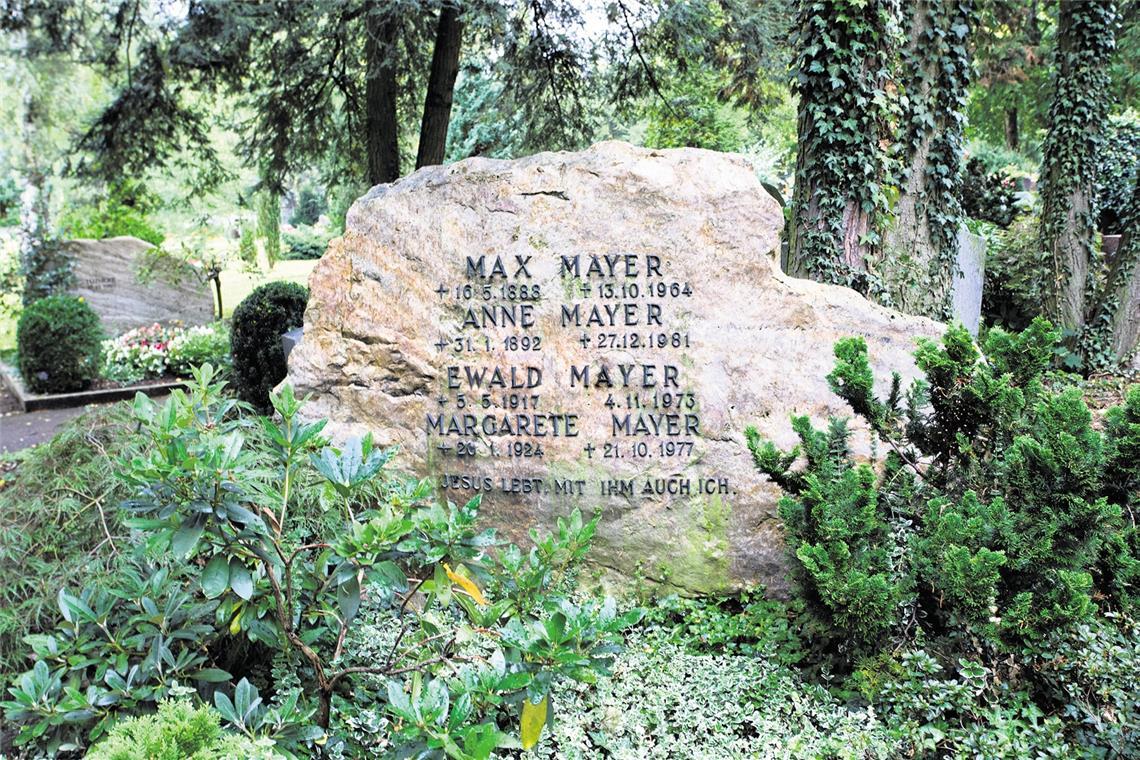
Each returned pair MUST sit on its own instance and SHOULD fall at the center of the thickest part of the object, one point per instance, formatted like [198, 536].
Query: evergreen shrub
[59, 340]
[996, 517]
[255, 338]
[179, 731]
[305, 244]
[988, 195]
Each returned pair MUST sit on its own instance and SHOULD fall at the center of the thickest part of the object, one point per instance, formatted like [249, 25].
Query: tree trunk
[441, 87]
[1123, 286]
[835, 229]
[920, 251]
[1068, 167]
[1012, 132]
[380, 125]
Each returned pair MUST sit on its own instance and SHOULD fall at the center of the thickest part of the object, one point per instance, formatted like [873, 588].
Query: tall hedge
[255, 338]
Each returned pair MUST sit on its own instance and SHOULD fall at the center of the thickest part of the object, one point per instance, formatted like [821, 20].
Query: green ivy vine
[845, 165]
[1077, 115]
[935, 71]
[46, 267]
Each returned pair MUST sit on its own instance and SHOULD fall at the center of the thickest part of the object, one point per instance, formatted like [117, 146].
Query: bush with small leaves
[987, 195]
[179, 731]
[255, 338]
[59, 341]
[993, 516]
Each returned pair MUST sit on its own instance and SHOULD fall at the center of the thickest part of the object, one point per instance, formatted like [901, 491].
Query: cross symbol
[442, 290]
[585, 288]
[444, 448]
[584, 340]
[589, 449]
[442, 400]
[442, 344]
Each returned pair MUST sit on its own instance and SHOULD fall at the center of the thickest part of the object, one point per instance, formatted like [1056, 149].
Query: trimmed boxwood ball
[59, 340]
[255, 338]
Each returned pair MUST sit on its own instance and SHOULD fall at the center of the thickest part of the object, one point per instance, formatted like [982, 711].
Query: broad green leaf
[241, 580]
[348, 598]
[186, 537]
[216, 576]
[211, 675]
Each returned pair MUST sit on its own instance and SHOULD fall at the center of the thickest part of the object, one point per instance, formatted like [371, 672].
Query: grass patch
[237, 283]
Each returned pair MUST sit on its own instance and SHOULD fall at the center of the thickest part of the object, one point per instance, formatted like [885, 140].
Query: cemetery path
[20, 431]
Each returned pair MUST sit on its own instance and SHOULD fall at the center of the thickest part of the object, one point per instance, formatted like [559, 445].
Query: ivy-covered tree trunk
[846, 48]
[441, 87]
[1076, 118]
[920, 253]
[381, 134]
[45, 266]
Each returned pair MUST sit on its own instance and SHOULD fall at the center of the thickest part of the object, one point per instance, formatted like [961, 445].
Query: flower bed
[158, 351]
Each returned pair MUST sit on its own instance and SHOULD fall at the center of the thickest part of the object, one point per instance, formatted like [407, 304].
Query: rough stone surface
[106, 276]
[759, 344]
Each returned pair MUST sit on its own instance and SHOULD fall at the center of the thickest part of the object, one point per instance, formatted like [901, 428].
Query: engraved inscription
[612, 340]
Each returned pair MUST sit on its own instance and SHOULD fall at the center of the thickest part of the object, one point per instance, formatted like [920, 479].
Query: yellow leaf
[467, 585]
[533, 719]
[235, 624]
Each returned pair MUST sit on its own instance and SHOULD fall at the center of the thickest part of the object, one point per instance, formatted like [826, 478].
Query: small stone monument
[107, 276]
[590, 330]
[966, 291]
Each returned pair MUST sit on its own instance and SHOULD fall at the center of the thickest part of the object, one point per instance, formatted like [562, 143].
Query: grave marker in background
[106, 276]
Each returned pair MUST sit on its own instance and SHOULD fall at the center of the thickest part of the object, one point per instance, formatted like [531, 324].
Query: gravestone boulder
[127, 290]
[592, 330]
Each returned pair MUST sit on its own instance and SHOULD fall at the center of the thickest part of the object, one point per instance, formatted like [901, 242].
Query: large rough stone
[385, 348]
[107, 277]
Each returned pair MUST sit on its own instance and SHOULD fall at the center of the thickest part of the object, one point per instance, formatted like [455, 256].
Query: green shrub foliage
[987, 195]
[247, 245]
[59, 340]
[1116, 175]
[255, 338]
[998, 511]
[124, 209]
[57, 513]
[1017, 272]
[305, 244]
[449, 633]
[310, 205]
[178, 731]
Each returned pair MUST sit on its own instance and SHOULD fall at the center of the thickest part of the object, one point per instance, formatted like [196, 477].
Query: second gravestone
[107, 275]
[588, 330]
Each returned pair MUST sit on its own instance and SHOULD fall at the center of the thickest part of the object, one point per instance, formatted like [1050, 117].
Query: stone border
[31, 402]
